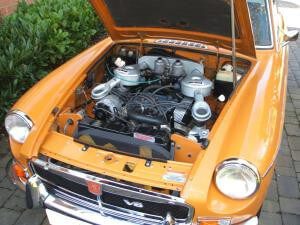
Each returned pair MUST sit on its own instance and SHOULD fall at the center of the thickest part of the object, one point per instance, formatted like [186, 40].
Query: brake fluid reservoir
[226, 74]
[224, 81]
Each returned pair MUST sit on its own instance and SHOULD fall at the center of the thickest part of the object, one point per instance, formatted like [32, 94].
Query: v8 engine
[142, 104]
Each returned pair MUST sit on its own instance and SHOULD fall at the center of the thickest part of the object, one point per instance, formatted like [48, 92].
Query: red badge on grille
[94, 188]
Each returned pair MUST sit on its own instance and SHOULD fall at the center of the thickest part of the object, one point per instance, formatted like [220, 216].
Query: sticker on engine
[144, 137]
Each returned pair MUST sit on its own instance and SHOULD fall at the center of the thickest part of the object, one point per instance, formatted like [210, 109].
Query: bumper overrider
[76, 197]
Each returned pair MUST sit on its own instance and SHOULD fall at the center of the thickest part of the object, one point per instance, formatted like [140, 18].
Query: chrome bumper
[79, 213]
[42, 198]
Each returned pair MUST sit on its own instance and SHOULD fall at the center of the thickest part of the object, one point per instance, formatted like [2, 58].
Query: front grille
[155, 207]
[54, 180]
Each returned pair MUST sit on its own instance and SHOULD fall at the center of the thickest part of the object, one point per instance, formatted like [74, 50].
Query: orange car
[176, 118]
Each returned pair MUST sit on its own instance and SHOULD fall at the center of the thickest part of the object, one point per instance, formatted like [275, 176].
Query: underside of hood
[193, 20]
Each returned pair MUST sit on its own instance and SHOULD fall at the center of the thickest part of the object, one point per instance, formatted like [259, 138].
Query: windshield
[260, 22]
[207, 16]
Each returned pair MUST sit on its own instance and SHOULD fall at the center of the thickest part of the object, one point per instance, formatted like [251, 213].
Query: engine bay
[140, 100]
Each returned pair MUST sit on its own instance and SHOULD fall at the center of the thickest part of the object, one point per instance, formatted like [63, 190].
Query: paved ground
[282, 205]
[12, 201]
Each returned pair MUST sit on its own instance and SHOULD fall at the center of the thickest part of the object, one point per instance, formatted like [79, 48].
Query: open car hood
[192, 20]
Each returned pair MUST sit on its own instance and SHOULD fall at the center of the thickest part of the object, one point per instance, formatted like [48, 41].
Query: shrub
[38, 38]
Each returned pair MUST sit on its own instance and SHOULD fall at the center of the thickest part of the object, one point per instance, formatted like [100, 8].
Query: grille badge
[133, 203]
[94, 188]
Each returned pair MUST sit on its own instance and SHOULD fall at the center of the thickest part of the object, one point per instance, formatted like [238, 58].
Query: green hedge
[38, 38]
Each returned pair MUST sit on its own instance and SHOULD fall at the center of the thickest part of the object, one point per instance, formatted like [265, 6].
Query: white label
[144, 137]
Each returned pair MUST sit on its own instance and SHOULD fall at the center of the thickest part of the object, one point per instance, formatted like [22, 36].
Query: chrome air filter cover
[196, 84]
[129, 75]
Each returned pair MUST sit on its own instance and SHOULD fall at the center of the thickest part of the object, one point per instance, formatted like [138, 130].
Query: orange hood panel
[192, 20]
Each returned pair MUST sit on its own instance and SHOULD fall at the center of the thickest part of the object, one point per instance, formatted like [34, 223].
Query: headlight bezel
[25, 119]
[239, 163]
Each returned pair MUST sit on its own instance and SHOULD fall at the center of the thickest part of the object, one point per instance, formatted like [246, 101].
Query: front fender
[249, 127]
[52, 92]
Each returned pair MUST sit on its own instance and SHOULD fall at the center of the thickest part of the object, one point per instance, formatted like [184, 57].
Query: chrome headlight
[18, 125]
[237, 179]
